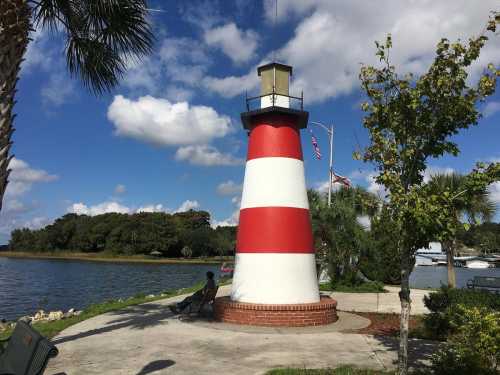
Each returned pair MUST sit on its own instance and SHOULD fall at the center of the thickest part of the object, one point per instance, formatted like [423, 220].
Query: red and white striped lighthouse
[275, 261]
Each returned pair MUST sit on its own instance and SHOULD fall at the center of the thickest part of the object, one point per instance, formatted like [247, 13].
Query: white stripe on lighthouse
[274, 182]
[275, 278]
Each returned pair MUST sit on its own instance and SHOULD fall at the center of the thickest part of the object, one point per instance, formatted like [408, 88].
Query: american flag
[341, 180]
[316, 149]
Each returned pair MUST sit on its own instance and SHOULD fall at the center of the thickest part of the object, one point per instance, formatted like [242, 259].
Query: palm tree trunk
[449, 247]
[14, 31]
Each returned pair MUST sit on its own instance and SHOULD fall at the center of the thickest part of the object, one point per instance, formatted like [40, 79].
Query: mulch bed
[386, 324]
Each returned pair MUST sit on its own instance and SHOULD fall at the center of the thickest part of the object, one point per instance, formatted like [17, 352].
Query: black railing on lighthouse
[296, 102]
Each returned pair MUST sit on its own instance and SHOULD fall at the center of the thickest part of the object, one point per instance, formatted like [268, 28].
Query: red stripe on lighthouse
[274, 141]
[274, 230]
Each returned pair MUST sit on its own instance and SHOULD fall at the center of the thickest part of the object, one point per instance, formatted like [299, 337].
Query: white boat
[477, 264]
[430, 256]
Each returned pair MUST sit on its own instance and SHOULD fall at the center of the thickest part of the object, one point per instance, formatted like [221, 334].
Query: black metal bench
[27, 352]
[490, 283]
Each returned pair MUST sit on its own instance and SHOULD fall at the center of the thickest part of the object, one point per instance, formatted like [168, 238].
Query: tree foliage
[100, 36]
[381, 258]
[140, 233]
[475, 208]
[474, 348]
[410, 120]
[484, 237]
[339, 237]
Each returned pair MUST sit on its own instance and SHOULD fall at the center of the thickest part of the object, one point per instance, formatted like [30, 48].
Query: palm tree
[339, 238]
[478, 209]
[101, 36]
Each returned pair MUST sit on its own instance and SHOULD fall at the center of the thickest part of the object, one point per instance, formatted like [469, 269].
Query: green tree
[409, 120]
[101, 35]
[339, 237]
[381, 258]
[477, 208]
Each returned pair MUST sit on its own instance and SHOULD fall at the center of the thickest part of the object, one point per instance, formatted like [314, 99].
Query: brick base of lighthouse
[296, 315]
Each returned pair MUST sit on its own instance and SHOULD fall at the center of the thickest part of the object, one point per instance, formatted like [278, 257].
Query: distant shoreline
[100, 257]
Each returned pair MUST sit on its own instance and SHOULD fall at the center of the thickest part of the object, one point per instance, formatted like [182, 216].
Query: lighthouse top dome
[274, 65]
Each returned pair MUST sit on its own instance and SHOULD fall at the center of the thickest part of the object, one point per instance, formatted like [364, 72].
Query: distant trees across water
[186, 234]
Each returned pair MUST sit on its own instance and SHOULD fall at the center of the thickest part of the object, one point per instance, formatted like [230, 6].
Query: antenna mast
[274, 27]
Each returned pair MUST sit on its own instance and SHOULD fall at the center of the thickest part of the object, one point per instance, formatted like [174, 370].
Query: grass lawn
[337, 371]
[368, 287]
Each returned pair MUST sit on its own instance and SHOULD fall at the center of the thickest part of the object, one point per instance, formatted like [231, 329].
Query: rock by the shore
[39, 315]
[55, 315]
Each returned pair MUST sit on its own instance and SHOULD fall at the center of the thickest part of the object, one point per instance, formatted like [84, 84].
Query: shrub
[474, 347]
[444, 303]
[439, 301]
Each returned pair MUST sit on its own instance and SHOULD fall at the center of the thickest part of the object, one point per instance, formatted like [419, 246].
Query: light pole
[330, 171]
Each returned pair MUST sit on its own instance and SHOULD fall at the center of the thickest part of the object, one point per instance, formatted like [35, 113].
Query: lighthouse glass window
[279, 80]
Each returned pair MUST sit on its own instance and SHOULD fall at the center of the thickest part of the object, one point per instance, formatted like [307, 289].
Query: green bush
[474, 347]
[444, 303]
[439, 301]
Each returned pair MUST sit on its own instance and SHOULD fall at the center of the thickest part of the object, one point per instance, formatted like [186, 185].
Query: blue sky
[169, 138]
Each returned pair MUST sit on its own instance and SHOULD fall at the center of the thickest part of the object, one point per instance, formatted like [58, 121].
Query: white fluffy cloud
[152, 208]
[238, 45]
[494, 190]
[58, 90]
[98, 209]
[205, 155]
[233, 219]
[38, 54]
[491, 108]
[23, 177]
[231, 86]
[183, 61]
[323, 186]
[113, 206]
[333, 37]
[17, 213]
[161, 122]
[229, 188]
[187, 205]
[336, 36]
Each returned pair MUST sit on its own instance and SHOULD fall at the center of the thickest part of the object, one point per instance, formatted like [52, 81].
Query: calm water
[433, 277]
[29, 284]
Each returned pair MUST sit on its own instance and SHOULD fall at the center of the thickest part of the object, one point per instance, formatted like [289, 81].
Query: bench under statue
[27, 352]
[207, 300]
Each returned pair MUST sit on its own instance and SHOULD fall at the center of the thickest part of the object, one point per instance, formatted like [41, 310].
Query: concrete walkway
[380, 302]
[148, 339]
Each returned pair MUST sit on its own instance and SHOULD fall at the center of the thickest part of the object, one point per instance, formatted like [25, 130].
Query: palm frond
[477, 208]
[101, 35]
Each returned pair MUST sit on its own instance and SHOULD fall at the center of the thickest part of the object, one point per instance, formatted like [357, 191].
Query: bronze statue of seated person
[197, 297]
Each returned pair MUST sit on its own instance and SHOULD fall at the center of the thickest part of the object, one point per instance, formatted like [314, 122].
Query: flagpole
[330, 134]
[330, 169]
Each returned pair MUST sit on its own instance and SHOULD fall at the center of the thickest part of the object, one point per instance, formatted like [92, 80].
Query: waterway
[27, 285]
